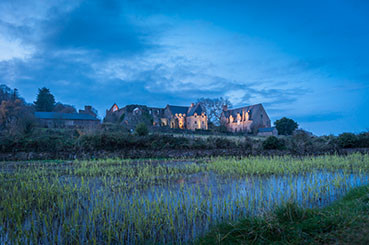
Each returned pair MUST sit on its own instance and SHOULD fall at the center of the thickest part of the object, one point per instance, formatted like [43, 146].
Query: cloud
[14, 49]
[97, 26]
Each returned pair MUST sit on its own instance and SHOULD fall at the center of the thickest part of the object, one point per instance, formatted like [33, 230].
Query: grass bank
[344, 222]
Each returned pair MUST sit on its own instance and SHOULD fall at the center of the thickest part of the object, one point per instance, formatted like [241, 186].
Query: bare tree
[214, 108]
[7, 93]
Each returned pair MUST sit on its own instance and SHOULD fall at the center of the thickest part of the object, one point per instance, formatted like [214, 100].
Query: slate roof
[195, 109]
[178, 109]
[234, 112]
[64, 116]
[263, 130]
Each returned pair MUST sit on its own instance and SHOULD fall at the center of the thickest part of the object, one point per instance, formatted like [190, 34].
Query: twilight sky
[307, 60]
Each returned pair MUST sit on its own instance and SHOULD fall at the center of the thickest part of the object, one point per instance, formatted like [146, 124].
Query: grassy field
[166, 201]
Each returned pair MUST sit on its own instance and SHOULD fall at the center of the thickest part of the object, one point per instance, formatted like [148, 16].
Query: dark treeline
[17, 116]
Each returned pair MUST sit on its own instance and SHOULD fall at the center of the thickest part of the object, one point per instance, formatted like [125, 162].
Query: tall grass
[167, 201]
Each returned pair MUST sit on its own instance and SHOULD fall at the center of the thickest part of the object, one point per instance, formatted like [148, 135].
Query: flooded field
[166, 201]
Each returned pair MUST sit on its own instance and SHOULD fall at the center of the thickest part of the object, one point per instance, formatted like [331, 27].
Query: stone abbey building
[248, 119]
[245, 119]
[182, 117]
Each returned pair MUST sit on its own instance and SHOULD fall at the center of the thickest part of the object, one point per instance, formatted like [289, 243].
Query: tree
[16, 117]
[45, 100]
[285, 126]
[347, 140]
[63, 108]
[214, 108]
[7, 93]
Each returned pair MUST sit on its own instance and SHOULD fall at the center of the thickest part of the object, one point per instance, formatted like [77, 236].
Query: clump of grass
[345, 221]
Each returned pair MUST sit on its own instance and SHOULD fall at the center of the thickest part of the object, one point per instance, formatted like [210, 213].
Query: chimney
[89, 110]
[225, 108]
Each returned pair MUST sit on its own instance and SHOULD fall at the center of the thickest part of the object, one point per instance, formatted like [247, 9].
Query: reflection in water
[179, 207]
[204, 199]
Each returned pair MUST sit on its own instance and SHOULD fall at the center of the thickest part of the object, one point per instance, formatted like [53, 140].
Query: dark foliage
[8, 94]
[300, 143]
[16, 117]
[285, 126]
[45, 100]
[112, 138]
[63, 108]
[363, 140]
[273, 143]
[141, 129]
[347, 140]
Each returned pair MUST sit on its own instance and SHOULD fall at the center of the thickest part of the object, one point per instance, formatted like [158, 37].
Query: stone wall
[197, 122]
[60, 123]
[247, 119]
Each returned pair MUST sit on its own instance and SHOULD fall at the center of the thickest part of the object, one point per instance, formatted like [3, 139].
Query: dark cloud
[97, 26]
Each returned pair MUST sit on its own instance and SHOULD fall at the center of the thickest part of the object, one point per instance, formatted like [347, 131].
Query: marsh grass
[160, 201]
[343, 222]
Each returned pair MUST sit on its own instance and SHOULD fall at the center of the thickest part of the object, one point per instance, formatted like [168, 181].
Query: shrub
[300, 143]
[273, 143]
[220, 142]
[363, 139]
[141, 129]
[347, 140]
[324, 144]
[247, 143]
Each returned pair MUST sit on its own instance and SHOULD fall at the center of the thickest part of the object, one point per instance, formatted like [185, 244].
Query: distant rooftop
[64, 116]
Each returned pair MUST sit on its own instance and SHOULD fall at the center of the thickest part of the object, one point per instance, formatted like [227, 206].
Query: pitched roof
[262, 130]
[195, 109]
[114, 106]
[178, 109]
[64, 116]
[235, 111]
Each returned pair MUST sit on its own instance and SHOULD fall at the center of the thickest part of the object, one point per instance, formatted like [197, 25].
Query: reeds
[166, 201]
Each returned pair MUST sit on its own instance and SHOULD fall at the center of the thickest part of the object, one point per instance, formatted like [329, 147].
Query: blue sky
[307, 60]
